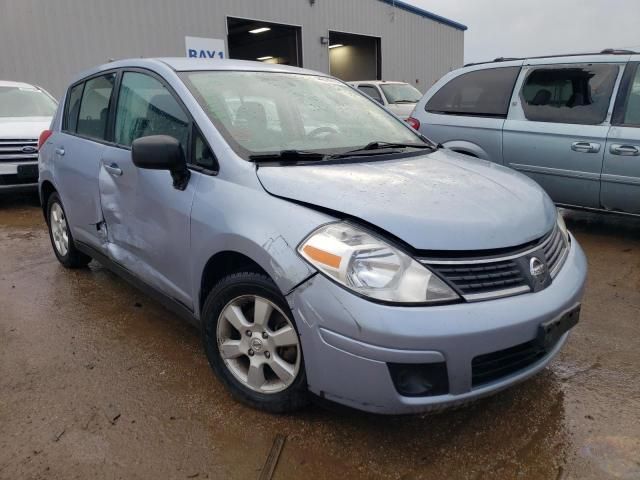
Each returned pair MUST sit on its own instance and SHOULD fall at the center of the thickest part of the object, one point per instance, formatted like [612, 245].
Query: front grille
[496, 365]
[478, 279]
[483, 277]
[11, 150]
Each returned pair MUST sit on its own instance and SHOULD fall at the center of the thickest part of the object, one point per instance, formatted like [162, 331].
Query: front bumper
[349, 341]
[12, 178]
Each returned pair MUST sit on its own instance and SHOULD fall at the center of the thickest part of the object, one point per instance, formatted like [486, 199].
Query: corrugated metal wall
[48, 41]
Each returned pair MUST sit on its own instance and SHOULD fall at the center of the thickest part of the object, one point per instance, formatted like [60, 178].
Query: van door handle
[113, 169]
[585, 147]
[59, 151]
[626, 150]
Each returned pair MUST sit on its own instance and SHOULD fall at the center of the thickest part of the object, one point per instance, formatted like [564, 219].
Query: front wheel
[60, 235]
[252, 343]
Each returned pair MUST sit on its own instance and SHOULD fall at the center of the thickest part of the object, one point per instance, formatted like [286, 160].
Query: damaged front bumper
[366, 355]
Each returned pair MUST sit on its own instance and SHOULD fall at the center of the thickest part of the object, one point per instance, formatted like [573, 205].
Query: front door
[621, 171]
[557, 128]
[147, 219]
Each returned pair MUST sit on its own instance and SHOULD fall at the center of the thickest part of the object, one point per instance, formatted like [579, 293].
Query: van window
[94, 108]
[483, 93]
[146, 107]
[73, 108]
[632, 110]
[569, 94]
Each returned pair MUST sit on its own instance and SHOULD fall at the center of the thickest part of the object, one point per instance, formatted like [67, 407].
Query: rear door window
[371, 91]
[483, 93]
[73, 108]
[576, 94]
[94, 107]
[146, 107]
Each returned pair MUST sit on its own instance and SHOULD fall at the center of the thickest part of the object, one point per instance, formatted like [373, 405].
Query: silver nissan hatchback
[321, 244]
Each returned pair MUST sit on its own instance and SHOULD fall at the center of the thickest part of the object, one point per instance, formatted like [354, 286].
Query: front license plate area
[550, 332]
[28, 172]
[8, 169]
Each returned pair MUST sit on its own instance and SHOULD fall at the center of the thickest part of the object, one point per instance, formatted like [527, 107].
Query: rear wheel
[60, 235]
[252, 343]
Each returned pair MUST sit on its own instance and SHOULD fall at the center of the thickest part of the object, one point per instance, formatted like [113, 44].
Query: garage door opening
[354, 57]
[264, 41]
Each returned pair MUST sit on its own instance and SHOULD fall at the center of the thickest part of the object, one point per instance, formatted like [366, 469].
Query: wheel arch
[222, 264]
[46, 189]
[467, 148]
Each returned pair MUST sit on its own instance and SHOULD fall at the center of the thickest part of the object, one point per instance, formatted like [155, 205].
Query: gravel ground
[99, 381]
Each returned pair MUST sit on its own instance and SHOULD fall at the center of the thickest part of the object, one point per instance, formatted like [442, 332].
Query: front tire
[60, 235]
[252, 343]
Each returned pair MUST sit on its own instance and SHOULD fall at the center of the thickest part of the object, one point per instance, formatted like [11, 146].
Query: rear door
[621, 171]
[557, 127]
[78, 149]
[466, 112]
[147, 219]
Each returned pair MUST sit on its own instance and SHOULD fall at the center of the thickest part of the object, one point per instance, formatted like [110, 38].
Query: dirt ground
[99, 381]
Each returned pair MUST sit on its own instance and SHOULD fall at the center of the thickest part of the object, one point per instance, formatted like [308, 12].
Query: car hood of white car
[436, 201]
[23, 128]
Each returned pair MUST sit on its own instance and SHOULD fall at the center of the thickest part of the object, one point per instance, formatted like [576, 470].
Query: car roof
[380, 82]
[7, 83]
[604, 55]
[183, 64]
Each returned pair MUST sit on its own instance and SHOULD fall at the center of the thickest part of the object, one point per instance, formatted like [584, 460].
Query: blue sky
[513, 28]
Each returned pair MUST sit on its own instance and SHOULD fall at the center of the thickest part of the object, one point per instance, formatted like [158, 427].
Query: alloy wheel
[258, 344]
[59, 229]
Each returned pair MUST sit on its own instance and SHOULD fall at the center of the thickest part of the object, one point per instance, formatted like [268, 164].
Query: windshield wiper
[288, 156]
[369, 147]
[406, 101]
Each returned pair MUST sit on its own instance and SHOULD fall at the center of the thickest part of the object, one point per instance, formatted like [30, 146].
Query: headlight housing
[369, 266]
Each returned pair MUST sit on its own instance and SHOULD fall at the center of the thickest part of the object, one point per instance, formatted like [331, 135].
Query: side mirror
[162, 152]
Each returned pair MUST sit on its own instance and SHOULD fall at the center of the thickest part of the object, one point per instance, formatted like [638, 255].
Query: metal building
[46, 42]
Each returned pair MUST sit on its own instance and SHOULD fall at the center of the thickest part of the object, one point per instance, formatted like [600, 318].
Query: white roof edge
[10, 83]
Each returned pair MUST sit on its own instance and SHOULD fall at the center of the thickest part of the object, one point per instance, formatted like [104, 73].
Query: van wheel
[60, 235]
[252, 343]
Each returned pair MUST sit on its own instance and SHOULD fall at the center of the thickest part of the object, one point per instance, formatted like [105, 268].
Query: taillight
[413, 123]
[44, 136]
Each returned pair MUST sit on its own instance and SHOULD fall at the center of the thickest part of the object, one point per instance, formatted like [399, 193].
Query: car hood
[23, 127]
[403, 110]
[437, 201]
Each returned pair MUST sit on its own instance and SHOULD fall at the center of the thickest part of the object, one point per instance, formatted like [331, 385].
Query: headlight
[371, 267]
[563, 228]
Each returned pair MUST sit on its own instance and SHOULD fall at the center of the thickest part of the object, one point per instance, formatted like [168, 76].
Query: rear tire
[60, 235]
[252, 343]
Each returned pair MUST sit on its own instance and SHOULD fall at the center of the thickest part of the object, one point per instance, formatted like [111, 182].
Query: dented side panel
[147, 224]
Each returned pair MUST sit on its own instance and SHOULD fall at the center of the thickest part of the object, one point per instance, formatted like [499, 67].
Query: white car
[398, 97]
[25, 111]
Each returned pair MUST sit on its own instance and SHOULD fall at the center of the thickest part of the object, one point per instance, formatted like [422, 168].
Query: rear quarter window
[70, 123]
[484, 92]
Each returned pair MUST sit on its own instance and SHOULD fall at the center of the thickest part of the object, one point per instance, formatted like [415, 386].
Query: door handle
[626, 150]
[59, 151]
[113, 169]
[585, 147]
